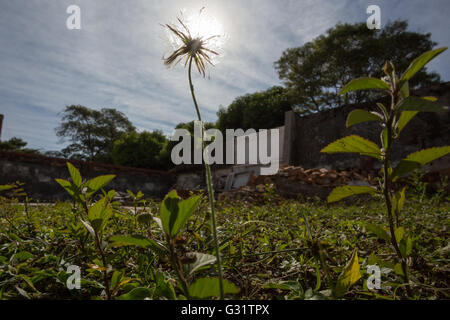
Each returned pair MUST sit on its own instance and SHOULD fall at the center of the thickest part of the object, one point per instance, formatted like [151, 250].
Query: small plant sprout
[393, 120]
[194, 43]
[95, 217]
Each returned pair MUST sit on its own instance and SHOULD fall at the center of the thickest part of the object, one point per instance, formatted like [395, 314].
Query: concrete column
[289, 138]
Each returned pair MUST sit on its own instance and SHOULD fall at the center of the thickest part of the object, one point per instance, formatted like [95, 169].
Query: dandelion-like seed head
[199, 37]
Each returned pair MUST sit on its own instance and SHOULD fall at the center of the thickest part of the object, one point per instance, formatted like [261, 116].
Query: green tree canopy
[315, 72]
[91, 132]
[16, 144]
[141, 150]
[260, 110]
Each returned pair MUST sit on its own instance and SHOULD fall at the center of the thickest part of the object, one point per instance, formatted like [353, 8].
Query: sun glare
[204, 26]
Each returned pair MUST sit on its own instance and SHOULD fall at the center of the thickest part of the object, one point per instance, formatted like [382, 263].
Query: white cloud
[116, 59]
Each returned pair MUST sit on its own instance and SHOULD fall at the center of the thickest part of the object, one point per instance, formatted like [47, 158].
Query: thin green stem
[386, 190]
[178, 268]
[210, 189]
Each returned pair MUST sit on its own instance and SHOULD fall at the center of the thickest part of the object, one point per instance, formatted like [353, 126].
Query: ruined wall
[39, 173]
[306, 136]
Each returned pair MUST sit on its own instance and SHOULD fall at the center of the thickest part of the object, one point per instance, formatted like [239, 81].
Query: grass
[266, 250]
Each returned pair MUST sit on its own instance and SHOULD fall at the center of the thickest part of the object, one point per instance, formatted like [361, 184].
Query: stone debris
[294, 182]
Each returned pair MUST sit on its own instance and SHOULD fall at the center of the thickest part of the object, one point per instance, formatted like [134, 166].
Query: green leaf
[209, 287]
[339, 193]
[420, 62]
[349, 276]
[68, 186]
[365, 84]
[97, 183]
[99, 214]
[406, 247]
[354, 144]
[144, 218]
[418, 104]
[384, 136]
[404, 90]
[399, 233]
[23, 255]
[138, 241]
[418, 159]
[201, 260]
[398, 269]
[137, 294]
[400, 198]
[175, 213]
[378, 231]
[115, 279]
[75, 174]
[359, 116]
[6, 187]
[405, 117]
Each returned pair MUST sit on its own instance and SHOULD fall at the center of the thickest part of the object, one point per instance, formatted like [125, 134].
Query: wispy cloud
[116, 59]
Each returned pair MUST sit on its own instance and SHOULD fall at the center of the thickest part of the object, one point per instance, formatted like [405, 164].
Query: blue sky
[115, 60]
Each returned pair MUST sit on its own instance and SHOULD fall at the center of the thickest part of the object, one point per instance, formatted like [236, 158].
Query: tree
[92, 132]
[141, 150]
[260, 110]
[315, 72]
[16, 144]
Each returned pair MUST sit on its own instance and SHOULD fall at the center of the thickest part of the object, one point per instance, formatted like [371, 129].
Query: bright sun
[204, 26]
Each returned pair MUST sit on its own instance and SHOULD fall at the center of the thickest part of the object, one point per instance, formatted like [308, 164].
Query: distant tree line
[312, 75]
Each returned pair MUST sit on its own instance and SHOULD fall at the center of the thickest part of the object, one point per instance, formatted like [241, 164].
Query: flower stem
[210, 189]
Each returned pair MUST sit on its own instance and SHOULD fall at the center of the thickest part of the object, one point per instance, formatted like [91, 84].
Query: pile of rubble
[295, 182]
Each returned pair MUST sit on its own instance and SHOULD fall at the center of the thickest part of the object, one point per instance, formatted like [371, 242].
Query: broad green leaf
[340, 193]
[97, 183]
[187, 208]
[164, 288]
[209, 287]
[405, 117]
[175, 212]
[75, 174]
[418, 159]
[99, 214]
[359, 116]
[138, 241]
[378, 231]
[418, 104]
[348, 277]
[420, 62]
[399, 233]
[365, 84]
[144, 218]
[354, 144]
[201, 260]
[137, 294]
[169, 211]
